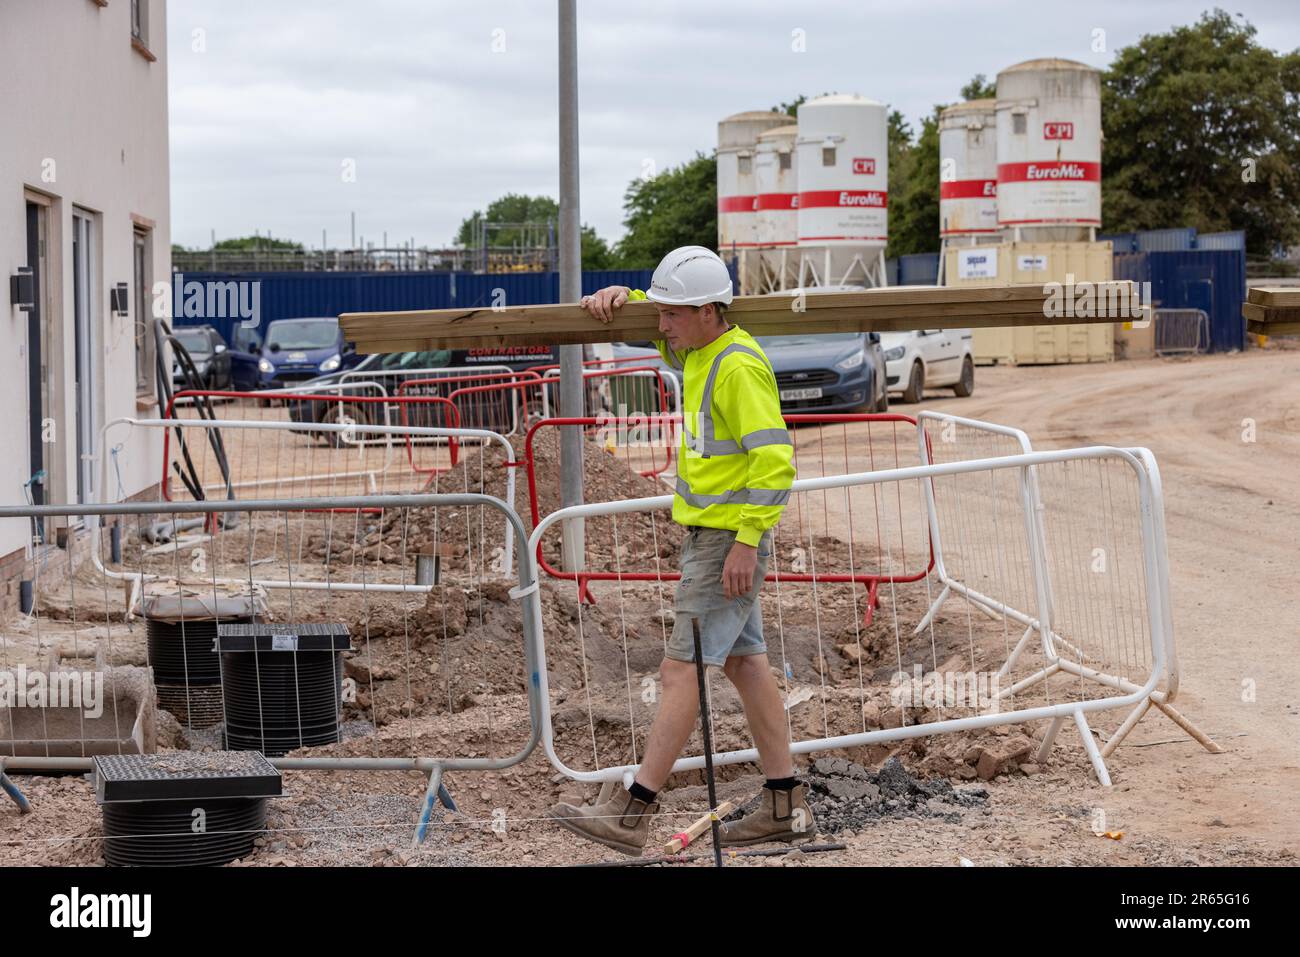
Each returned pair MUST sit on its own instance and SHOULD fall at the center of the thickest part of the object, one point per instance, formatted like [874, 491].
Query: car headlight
[264, 365]
[894, 353]
[852, 362]
[330, 364]
[201, 366]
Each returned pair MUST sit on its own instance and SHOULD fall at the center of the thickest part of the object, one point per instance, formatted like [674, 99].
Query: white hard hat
[690, 276]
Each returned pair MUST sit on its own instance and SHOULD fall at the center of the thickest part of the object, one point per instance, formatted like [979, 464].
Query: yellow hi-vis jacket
[736, 462]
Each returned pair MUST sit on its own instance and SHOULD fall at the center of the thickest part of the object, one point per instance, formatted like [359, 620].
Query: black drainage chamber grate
[184, 651]
[282, 684]
[184, 808]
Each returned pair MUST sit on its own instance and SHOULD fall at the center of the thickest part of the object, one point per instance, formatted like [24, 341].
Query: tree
[1202, 129]
[914, 202]
[793, 106]
[246, 243]
[595, 251]
[510, 208]
[677, 207]
[979, 88]
[514, 208]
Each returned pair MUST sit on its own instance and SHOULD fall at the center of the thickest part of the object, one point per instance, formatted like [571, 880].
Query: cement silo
[1049, 150]
[737, 140]
[777, 227]
[968, 171]
[843, 163]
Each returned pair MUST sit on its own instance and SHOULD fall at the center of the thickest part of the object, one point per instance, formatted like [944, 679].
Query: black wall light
[119, 300]
[22, 289]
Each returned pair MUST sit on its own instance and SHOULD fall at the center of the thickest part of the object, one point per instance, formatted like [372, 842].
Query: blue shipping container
[1210, 279]
[1121, 242]
[1231, 240]
[1166, 240]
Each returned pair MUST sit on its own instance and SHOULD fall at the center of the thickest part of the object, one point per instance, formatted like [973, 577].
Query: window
[139, 21]
[783, 160]
[140, 29]
[144, 343]
[1019, 123]
[828, 156]
[745, 162]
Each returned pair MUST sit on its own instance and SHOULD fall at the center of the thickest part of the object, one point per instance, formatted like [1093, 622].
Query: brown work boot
[622, 822]
[780, 816]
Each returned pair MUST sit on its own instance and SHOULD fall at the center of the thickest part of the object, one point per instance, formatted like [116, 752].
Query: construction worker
[733, 478]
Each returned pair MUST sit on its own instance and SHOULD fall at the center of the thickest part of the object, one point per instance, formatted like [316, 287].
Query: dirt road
[1226, 433]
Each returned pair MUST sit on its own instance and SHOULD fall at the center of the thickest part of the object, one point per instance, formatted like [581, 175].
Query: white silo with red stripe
[737, 198]
[1049, 150]
[843, 162]
[968, 171]
[777, 226]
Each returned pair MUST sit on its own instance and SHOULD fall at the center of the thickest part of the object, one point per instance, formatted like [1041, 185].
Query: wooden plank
[1258, 313]
[880, 310]
[1273, 328]
[1274, 295]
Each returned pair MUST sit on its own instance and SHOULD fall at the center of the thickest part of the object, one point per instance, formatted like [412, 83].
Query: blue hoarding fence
[227, 300]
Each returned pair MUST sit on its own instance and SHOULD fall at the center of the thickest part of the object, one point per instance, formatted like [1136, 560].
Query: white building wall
[83, 123]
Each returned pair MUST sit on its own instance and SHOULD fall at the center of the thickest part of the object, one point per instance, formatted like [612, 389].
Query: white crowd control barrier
[206, 459]
[984, 562]
[413, 650]
[1103, 641]
[987, 565]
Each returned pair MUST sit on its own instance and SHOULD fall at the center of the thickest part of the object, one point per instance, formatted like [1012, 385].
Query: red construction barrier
[503, 419]
[617, 360]
[341, 400]
[872, 581]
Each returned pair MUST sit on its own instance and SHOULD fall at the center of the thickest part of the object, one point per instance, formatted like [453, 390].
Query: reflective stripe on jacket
[736, 461]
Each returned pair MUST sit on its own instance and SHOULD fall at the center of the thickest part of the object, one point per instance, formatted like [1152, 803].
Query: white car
[928, 359]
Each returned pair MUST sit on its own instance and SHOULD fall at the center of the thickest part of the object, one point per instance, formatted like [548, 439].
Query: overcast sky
[440, 107]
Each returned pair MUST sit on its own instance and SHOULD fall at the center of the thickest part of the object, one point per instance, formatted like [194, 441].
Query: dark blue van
[296, 350]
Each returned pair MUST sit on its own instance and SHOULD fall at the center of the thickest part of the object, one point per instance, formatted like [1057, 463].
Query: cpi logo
[864, 165]
[1058, 131]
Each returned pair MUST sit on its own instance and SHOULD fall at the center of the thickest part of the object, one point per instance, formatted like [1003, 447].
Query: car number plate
[793, 395]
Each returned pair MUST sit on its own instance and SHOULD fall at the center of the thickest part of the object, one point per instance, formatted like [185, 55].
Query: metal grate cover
[303, 636]
[184, 775]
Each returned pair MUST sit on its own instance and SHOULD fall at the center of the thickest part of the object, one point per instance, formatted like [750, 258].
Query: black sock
[641, 793]
[781, 784]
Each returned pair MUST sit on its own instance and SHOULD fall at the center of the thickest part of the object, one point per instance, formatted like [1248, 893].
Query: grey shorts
[728, 627]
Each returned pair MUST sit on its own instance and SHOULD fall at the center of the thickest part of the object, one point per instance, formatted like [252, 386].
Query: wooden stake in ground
[878, 310]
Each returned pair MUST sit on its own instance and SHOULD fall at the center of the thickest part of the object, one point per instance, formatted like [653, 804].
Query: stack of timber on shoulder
[1272, 310]
[871, 310]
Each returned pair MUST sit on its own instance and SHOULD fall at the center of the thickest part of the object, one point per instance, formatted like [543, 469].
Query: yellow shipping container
[1037, 263]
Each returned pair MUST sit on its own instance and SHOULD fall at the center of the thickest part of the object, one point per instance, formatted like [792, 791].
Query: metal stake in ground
[708, 743]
